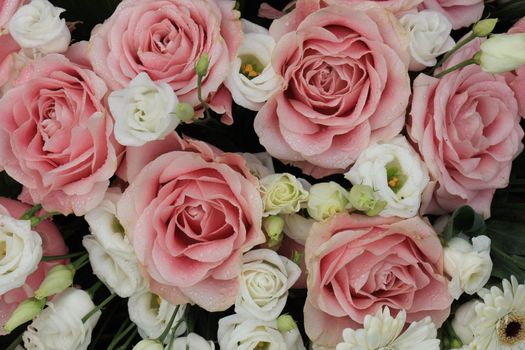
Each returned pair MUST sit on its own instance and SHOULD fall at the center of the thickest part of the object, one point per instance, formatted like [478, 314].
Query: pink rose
[52, 245]
[8, 47]
[190, 215]
[516, 79]
[7, 10]
[346, 85]
[466, 126]
[165, 38]
[359, 264]
[461, 13]
[55, 135]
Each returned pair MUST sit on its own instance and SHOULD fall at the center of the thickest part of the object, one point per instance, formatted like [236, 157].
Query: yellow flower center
[393, 182]
[251, 67]
[511, 329]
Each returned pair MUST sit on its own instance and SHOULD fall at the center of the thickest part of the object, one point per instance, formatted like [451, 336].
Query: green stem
[61, 257]
[93, 289]
[15, 342]
[455, 48]
[456, 67]
[35, 221]
[98, 307]
[168, 327]
[125, 346]
[80, 262]
[31, 212]
[121, 336]
[199, 95]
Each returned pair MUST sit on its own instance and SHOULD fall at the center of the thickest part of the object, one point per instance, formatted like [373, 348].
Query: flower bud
[201, 67]
[286, 323]
[362, 197]
[185, 112]
[502, 53]
[282, 194]
[273, 226]
[326, 199]
[57, 280]
[148, 344]
[462, 322]
[26, 311]
[484, 27]
[378, 208]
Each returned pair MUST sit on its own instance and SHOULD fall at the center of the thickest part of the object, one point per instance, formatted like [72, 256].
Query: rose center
[251, 66]
[511, 329]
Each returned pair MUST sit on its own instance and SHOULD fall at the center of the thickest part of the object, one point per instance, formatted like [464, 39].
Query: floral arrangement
[212, 174]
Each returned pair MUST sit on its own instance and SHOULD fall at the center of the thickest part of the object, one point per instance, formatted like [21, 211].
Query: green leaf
[508, 236]
[464, 220]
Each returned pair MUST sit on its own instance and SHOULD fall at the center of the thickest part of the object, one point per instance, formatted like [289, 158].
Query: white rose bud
[152, 314]
[260, 164]
[395, 172]
[326, 199]
[502, 53]
[38, 25]
[239, 333]
[148, 344]
[469, 265]
[60, 325]
[463, 321]
[143, 111]
[192, 342]
[429, 33]
[110, 253]
[265, 280]
[252, 79]
[20, 252]
[282, 194]
[297, 227]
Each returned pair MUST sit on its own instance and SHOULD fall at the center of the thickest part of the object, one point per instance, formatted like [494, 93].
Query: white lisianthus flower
[464, 318]
[143, 111]
[297, 227]
[383, 331]
[38, 25]
[110, 253]
[152, 314]
[282, 194]
[429, 33]
[395, 172]
[326, 199]
[260, 164]
[148, 344]
[502, 53]
[500, 318]
[252, 79]
[20, 252]
[469, 265]
[265, 280]
[59, 326]
[192, 342]
[239, 333]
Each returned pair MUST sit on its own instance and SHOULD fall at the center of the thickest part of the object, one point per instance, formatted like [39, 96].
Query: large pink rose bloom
[358, 264]
[345, 86]
[516, 79]
[55, 135]
[165, 38]
[466, 127]
[461, 13]
[52, 245]
[190, 215]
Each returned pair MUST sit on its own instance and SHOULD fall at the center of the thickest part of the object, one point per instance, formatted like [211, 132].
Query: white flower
[148, 344]
[252, 79]
[38, 25]
[297, 227]
[469, 265]
[463, 321]
[326, 199]
[239, 333]
[500, 321]
[260, 164]
[265, 280]
[192, 342]
[20, 252]
[397, 174]
[282, 194]
[110, 253]
[429, 33]
[382, 331]
[143, 111]
[152, 314]
[60, 326]
[502, 53]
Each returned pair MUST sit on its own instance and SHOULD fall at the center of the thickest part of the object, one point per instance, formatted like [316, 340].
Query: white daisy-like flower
[384, 332]
[500, 321]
